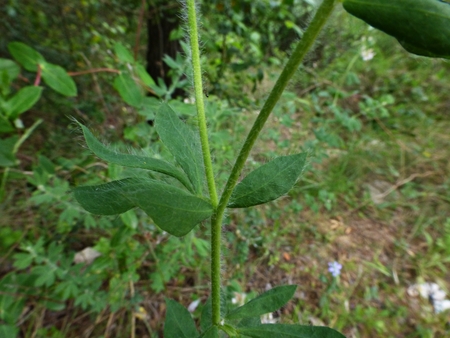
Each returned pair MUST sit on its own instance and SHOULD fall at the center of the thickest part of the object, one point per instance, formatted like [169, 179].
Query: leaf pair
[54, 76]
[179, 322]
[173, 209]
[421, 26]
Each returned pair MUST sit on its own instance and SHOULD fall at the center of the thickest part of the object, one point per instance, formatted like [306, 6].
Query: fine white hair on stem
[187, 34]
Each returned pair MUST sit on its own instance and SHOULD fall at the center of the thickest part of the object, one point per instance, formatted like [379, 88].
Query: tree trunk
[162, 19]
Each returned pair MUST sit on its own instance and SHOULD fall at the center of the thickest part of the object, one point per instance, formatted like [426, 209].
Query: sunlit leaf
[183, 143]
[133, 161]
[144, 76]
[421, 26]
[129, 90]
[28, 57]
[10, 67]
[179, 322]
[23, 100]
[269, 301]
[289, 331]
[57, 78]
[268, 182]
[172, 209]
[122, 53]
[212, 332]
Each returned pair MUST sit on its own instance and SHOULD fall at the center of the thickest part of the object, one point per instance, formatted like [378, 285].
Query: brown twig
[96, 70]
[97, 86]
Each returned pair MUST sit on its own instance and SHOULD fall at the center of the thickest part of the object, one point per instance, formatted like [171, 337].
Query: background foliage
[375, 197]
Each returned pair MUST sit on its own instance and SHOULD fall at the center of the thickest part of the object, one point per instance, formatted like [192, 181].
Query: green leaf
[250, 321]
[7, 156]
[129, 90]
[212, 332]
[57, 78]
[268, 182]
[28, 57]
[179, 322]
[122, 53]
[5, 126]
[10, 67]
[172, 209]
[206, 316]
[183, 143]
[133, 161]
[421, 26]
[269, 301]
[287, 331]
[9, 331]
[23, 100]
[144, 76]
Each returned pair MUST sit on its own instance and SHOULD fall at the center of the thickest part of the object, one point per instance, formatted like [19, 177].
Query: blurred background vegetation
[375, 197]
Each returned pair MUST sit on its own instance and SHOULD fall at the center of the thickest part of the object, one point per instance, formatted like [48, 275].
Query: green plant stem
[26, 135]
[198, 89]
[310, 35]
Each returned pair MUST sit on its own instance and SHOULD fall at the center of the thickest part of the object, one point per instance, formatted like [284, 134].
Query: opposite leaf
[122, 53]
[10, 67]
[133, 161]
[57, 78]
[421, 26]
[212, 332]
[172, 209]
[23, 100]
[129, 90]
[289, 331]
[269, 301]
[179, 322]
[28, 57]
[268, 182]
[183, 143]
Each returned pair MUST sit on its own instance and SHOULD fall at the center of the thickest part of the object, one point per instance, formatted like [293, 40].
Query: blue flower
[334, 268]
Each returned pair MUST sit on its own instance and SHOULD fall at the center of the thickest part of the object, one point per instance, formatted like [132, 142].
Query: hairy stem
[215, 228]
[198, 88]
[310, 35]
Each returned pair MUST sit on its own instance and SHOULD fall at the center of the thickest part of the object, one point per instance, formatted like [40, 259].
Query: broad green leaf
[122, 53]
[183, 143]
[179, 322]
[268, 182]
[7, 157]
[5, 125]
[57, 78]
[129, 218]
[206, 316]
[289, 331]
[10, 331]
[212, 332]
[133, 161]
[269, 301]
[28, 57]
[172, 209]
[129, 90]
[23, 100]
[144, 76]
[250, 321]
[421, 26]
[10, 67]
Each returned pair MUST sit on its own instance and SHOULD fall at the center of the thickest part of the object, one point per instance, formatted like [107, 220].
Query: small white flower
[367, 54]
[193, 305]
